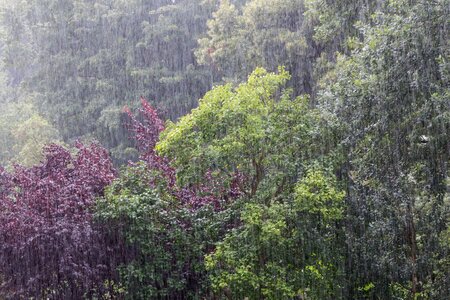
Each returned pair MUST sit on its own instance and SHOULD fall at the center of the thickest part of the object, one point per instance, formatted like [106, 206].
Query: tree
[83, 59]
[391, 95]
[161, 255]
[235, 130]
[23, 134]
[244, 129]
[277, 254]
[49, 247]
[260, 34]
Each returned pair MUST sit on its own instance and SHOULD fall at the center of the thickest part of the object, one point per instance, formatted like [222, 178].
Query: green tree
[259, 34]
[23, 133]
[161, 256]
[83, 60]
[391, 95]
[257, 130]
[243, 129]
[277, 254]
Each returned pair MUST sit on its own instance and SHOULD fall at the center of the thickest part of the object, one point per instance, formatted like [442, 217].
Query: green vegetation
[305, 152]
[23, 134]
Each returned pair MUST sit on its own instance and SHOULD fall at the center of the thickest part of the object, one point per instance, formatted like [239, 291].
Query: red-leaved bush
[48, 247]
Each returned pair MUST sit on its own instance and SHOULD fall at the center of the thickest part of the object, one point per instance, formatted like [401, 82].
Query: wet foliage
[289, 149]
[49, 247]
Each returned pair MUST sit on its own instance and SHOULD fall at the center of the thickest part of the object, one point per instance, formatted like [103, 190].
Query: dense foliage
[391, 96]
[23, 134]
[49, 247]
[104, 53]
[314, 166]
[251, 260]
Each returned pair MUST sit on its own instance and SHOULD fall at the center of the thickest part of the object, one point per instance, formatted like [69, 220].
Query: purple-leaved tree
[48, 246]
[145, 133]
